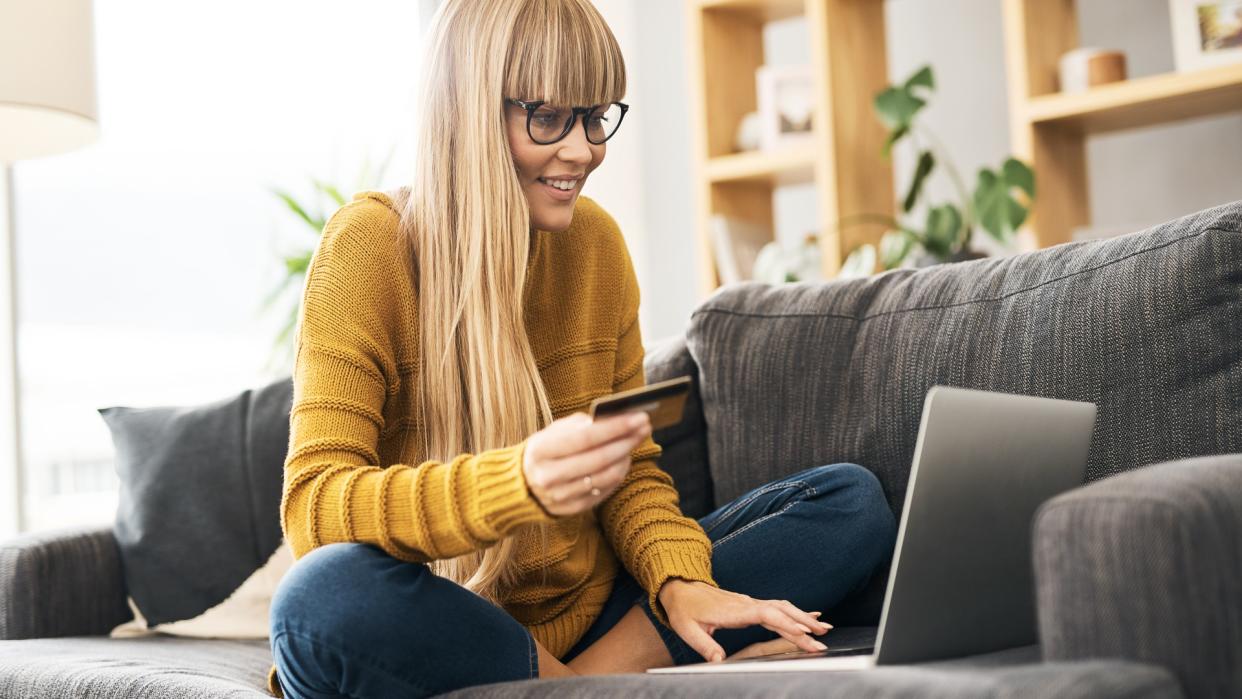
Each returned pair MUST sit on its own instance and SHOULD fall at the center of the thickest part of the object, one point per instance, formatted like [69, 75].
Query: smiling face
[551, 176]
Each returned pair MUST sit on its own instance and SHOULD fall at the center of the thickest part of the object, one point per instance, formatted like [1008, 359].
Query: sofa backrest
[1148, 326]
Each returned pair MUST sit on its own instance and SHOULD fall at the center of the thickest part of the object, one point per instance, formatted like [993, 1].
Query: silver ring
[594, 492]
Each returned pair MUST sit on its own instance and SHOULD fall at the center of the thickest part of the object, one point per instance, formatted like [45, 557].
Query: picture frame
[786, 96]
[1206, 33]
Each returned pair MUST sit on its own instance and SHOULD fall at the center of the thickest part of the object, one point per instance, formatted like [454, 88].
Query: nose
[575, 148]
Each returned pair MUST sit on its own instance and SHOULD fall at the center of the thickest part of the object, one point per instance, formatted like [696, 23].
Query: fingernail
[815, 613]
[820, 646]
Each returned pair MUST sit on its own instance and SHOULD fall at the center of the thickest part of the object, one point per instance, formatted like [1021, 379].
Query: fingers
[578, 434]
[701, 641]
[577, 497]
[775, 618]
[804, 618]
[571, 469]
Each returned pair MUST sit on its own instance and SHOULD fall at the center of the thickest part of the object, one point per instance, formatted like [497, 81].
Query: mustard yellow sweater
[347, 480]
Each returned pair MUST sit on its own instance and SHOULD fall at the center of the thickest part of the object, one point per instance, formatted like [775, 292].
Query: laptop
[961, 581]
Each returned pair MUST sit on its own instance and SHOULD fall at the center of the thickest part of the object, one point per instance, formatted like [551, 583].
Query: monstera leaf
[897, 105]
[998, 210]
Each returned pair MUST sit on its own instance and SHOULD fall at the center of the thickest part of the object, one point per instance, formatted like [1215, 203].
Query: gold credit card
[664, 401]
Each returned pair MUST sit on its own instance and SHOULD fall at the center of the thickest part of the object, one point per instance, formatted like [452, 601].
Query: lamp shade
[48, 103]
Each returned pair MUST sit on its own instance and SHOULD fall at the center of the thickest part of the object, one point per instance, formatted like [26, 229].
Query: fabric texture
[1146, 566]
[156, 668]
[199, 497]
[1144, 325]
[61, 583]
[353, 472]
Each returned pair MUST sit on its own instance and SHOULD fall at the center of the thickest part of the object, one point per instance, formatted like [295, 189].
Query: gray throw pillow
[200, 496]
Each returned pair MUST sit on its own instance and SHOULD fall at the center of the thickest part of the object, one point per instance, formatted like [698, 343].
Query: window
[143, 259]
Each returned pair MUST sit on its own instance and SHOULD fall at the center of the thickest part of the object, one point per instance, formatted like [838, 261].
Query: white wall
[1136, 178]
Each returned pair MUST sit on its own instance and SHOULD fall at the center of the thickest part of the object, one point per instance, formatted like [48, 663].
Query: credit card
[664, 401]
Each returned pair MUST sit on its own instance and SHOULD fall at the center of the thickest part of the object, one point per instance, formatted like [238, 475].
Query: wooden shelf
[849, 65]
[1156, 99]
[1050, 131]
[782, 167]
[764, 10]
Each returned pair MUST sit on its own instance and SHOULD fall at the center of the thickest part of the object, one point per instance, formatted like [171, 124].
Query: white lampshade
[47, 78]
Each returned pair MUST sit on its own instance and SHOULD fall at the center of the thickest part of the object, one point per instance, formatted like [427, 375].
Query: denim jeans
[349, 620]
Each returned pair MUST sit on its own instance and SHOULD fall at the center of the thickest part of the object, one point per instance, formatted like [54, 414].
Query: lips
[560, 188]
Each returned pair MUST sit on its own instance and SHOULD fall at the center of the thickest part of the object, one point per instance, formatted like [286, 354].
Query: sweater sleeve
[335, 488]
[642, 520]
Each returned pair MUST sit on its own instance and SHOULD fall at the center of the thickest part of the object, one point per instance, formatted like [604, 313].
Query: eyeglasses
[547, 125]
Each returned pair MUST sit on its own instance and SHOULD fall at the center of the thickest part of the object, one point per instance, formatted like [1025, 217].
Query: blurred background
[228, 130]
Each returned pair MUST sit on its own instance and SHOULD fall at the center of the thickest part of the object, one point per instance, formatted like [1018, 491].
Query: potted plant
[944, 230]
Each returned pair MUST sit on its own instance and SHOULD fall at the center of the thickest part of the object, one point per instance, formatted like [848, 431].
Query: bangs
[564, 54]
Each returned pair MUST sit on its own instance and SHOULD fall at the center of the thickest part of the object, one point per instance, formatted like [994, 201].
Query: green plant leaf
[298, 264]
[295, 207]
[330, 191]
[860, 263]
[922, 78]
[998, 210]
[897, 107]
[926, 163]
[1019, 175]
[895, 246]
[893, 137]
[944, 224]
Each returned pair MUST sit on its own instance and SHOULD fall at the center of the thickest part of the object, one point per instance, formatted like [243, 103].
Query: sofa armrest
[1147, 566]
[684, 444]
[63, 583]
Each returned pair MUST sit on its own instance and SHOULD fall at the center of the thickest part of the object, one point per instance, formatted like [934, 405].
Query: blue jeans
[349, 620]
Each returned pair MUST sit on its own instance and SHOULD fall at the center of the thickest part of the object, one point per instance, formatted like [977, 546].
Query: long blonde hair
[468, 224]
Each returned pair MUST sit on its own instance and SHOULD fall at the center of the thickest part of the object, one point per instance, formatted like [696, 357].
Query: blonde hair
[468, 224]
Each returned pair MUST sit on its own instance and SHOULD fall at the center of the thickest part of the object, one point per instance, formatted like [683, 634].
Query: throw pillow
[200, 490]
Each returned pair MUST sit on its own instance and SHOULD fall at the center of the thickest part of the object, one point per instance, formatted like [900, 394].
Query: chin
[554, 222]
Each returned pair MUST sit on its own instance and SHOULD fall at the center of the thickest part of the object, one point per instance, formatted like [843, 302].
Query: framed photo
[1206, 33]
[786, 106]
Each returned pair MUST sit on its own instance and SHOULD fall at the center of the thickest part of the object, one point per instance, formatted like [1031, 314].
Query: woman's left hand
[695, 610]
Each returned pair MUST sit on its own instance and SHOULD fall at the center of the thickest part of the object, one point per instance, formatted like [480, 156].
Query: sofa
[1138, 573]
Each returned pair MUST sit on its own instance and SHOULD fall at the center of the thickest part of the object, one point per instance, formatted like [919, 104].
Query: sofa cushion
[138, 668]
[994, 676]
[199, 505]
[684, 445]
[177, 667]
[1144, 325]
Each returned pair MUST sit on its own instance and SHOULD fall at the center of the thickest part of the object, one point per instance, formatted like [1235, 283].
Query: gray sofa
[1138, 573]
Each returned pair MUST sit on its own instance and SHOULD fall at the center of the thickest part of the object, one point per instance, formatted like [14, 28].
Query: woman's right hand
[574, 457]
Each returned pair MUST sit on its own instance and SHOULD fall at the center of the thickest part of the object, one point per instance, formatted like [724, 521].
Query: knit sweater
[346, 478]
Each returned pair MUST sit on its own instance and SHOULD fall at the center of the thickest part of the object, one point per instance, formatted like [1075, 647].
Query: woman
[458, 518]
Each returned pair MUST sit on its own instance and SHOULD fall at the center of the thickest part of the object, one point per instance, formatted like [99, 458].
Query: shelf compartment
[793, 166]
[1139, 102]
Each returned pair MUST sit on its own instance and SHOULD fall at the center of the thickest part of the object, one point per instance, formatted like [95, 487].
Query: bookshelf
[1049, 129]
[849, 65]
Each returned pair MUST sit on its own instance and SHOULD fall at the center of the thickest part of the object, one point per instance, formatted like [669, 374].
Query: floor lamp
[47, 106]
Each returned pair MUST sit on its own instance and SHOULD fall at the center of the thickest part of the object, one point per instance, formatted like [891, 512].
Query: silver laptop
[961, 581]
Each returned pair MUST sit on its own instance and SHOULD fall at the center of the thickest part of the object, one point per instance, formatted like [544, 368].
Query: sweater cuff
[505, 499]
[685, 562]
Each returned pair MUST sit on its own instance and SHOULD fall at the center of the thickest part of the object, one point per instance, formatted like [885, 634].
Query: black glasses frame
[531, 106]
